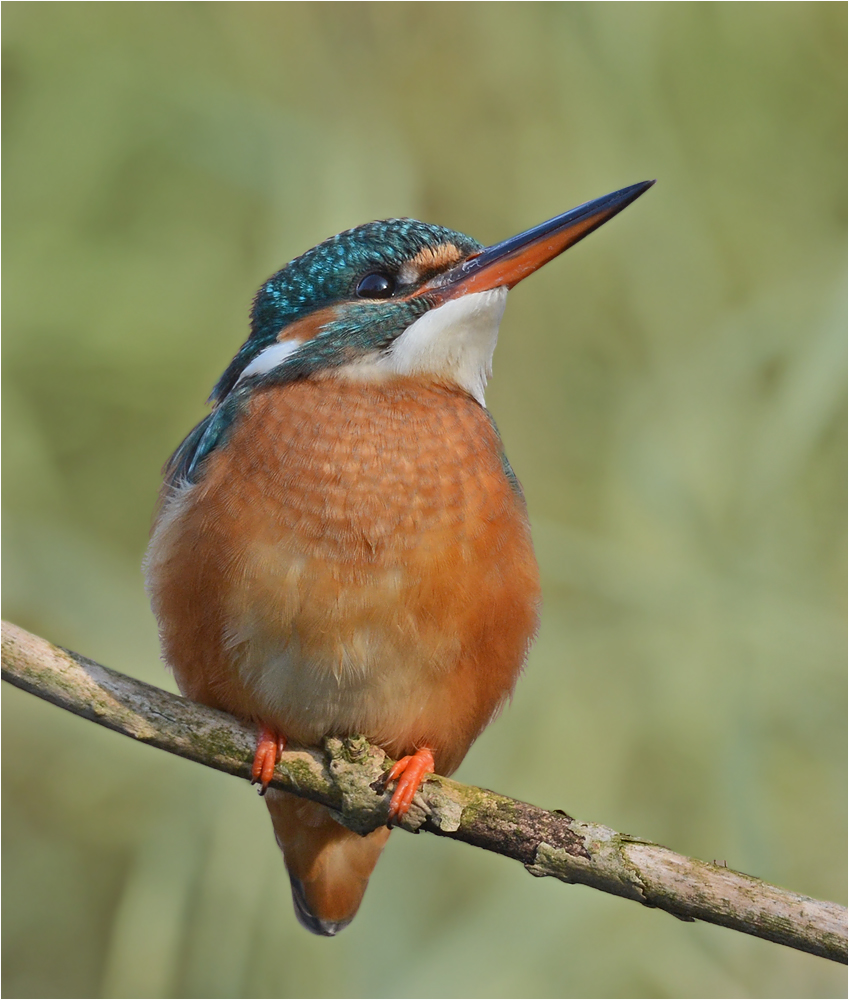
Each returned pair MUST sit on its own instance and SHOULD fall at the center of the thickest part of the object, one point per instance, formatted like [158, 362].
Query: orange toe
[410, 772]
[269, 746]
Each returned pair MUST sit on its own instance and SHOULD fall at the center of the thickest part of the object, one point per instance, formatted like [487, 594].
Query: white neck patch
[270, 358]
[453, 342]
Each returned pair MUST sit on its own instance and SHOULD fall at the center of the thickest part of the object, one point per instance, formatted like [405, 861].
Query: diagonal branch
[347, 776]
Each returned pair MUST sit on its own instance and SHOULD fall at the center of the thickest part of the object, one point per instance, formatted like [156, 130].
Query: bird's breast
[353, 559]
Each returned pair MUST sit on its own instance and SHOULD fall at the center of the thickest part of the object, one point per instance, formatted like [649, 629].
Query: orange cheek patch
[309, 326]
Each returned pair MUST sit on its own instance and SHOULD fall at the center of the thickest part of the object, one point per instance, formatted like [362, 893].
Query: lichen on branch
[348, 775]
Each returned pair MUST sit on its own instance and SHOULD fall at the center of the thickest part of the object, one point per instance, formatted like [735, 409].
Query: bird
[341, 546]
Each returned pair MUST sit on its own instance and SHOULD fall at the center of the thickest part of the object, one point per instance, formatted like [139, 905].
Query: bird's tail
[329, 866]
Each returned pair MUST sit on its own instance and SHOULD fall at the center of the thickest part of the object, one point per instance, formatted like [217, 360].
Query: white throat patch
[454, 342]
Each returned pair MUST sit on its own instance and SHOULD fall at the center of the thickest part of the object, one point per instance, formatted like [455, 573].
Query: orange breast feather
[353, 559]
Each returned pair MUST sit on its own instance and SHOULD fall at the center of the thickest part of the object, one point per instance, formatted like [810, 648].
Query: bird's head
[399, 297]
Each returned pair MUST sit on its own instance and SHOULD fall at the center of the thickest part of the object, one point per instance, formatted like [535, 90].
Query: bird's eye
[376, 286]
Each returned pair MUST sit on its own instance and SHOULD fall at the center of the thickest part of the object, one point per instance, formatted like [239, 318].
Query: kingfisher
[341, 546]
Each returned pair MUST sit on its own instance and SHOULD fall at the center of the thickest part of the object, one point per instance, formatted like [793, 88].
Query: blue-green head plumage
[330, 275]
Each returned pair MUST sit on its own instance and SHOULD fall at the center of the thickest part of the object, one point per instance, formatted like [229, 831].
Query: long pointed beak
[507, 263]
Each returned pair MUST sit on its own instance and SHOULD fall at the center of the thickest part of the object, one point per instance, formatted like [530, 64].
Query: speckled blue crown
[330, 271]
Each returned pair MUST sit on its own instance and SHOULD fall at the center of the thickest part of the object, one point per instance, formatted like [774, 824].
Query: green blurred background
[671, 394]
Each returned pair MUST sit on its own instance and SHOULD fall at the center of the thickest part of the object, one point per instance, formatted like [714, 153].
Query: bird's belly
[357, 655]
[380, 651]
[379, 580]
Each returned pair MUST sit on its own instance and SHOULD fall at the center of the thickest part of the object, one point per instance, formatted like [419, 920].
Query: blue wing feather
[183, 466]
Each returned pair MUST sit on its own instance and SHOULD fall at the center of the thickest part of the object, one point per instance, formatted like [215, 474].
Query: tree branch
[347, 776]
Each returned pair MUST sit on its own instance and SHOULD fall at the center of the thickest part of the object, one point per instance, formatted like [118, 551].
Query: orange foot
[410, 771]
[269, 746]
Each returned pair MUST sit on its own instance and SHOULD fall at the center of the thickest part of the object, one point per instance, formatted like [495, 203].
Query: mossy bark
[348, 776]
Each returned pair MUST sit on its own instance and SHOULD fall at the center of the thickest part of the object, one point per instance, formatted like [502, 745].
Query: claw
[269, 747]
[410, 771]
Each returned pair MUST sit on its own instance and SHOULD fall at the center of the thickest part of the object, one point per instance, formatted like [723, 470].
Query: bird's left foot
[410, 772]
[269, 747]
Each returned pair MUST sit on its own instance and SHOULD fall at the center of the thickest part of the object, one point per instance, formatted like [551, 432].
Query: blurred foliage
[671, 394]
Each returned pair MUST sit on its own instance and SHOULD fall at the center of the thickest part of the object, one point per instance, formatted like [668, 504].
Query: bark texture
[348, 776]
